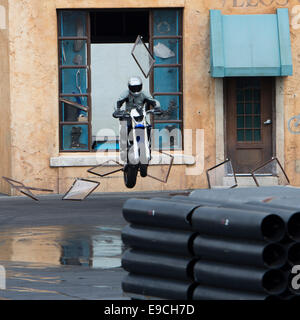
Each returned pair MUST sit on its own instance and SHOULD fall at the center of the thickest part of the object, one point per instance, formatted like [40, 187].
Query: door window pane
[248, 135]
[240, 108]
[240, 122]
[257, 135]
[248, 122]
[248, 108]
[256, 122]
[240, 135]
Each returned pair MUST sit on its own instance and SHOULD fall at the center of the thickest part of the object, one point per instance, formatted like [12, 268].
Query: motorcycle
[135, 142]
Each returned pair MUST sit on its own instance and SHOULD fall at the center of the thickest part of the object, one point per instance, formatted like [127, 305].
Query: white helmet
[135, 86]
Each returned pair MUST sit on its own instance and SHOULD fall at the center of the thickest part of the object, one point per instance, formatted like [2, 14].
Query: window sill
[81, 160]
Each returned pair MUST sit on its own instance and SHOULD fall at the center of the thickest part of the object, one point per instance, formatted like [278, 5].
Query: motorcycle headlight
[139, 118]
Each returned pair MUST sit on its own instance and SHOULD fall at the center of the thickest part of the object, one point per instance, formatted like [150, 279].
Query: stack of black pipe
[215, 244]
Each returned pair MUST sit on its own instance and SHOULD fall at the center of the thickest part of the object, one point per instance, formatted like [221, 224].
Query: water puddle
[95, 247]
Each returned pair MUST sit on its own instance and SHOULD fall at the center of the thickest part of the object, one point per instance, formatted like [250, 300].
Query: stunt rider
[131, 97]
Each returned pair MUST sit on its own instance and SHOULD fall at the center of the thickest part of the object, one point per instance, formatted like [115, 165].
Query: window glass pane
[167, 136]
[248, 135]
[248, 109]
[74, 137]
[74, 112]
[68, 54]
[240, 135]
[170, 106]
[240, 122]
[74, 81]
[73, 24]
[240, 95]
[166, 51]
[166, 22]
[256, 95]
[256, 108]
[240, 108]
[257, 135]
[248, 95]
[248, 122]
[167, 79]
[256, 122]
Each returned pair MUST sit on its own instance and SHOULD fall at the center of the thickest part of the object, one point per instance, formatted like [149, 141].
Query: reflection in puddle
[97, 247]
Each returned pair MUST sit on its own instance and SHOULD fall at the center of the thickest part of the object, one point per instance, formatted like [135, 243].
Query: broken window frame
[265, 164]
[218, 165]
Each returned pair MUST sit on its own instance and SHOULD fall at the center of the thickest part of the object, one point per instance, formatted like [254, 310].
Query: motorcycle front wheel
[143, 170]
[130, 175]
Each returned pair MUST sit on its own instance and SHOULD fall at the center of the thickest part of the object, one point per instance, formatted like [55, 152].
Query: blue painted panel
[251, 41]
[284, 42]
[250, 45]
[216, 44]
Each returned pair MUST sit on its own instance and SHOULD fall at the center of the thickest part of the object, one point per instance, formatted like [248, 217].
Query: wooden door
[249, 121]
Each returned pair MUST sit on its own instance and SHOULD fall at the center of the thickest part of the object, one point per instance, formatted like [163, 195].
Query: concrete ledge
[96, 159]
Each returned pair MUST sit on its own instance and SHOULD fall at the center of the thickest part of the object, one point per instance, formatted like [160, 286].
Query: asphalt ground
[53, 249]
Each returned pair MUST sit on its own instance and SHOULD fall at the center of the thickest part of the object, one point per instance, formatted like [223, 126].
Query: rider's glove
[116, 113]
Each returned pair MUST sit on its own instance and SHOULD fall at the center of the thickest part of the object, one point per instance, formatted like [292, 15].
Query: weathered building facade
[226, 70]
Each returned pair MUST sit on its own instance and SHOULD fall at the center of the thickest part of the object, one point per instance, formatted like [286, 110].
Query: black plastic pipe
[202, 292]
[273, 226]
[287, 208]
[259, 254]
[158, 239]
[159, 213]
[158, 264]
[240, 278]
[294, 253]
[153, 287]
[238, 223]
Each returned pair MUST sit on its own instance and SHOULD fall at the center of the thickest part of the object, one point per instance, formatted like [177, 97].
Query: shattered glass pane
[221, 176]
[167, 51]
[142, 56]
[80, 189]
[161, 172]
[106, 168]
[273, 170]
[170, 106]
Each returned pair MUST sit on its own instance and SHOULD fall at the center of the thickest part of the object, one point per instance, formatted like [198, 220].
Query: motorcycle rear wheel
[130, 175]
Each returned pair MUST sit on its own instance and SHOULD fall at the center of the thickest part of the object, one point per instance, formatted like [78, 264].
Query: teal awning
[250, 45]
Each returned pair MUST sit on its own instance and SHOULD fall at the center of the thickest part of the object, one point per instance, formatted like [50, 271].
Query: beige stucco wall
[33, 80]
[5, 138]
